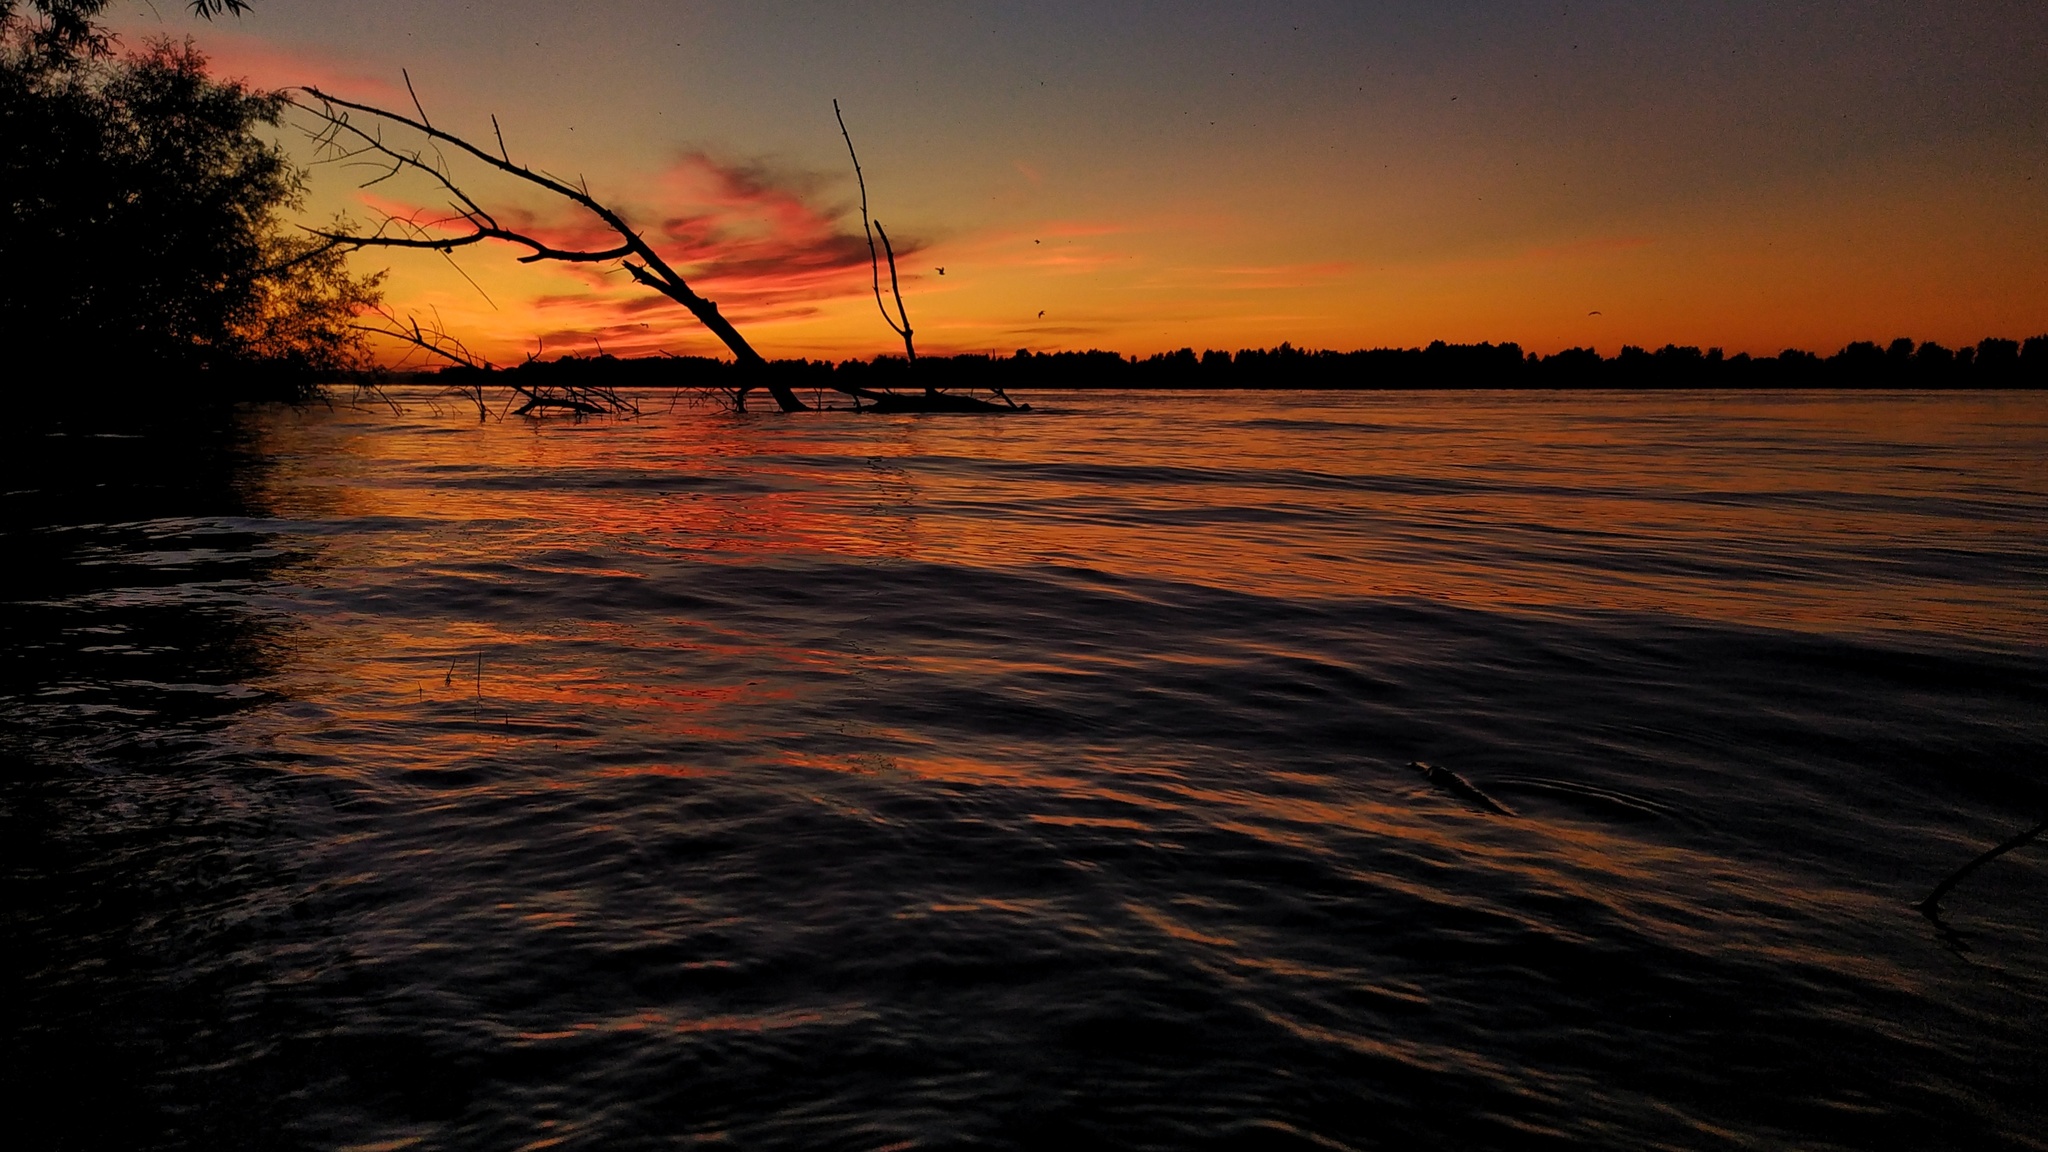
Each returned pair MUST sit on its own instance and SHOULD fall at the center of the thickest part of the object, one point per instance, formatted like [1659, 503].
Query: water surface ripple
[381, 780]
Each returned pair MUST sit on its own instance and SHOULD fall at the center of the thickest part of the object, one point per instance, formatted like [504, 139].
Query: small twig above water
[1458, 786]
[1931, 907]
[900, 323]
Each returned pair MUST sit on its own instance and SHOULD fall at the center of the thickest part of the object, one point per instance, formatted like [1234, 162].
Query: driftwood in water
[899, 323]
[934, 398]
[432, 338]
[347, 141]
[1931, 907]
[343, 139]
[1458, 786]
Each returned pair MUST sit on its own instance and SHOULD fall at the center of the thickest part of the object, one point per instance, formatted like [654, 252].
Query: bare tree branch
[651, 270]
[896, 287]
[874, 260]
[434, 339]
[415, 97]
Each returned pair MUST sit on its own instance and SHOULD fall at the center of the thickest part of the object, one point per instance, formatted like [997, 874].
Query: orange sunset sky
[1150, 176]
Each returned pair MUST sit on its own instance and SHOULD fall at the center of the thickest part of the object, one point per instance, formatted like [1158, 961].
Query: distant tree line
[1993, 363]
[143, 218]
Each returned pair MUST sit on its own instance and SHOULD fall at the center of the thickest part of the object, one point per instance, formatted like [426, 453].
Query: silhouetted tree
[1998, 361]
[354, 132]
[394, 143]
[68, 31]
[143, 217]
[899, 323]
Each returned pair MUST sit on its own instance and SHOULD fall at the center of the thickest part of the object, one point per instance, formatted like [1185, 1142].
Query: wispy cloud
[760, 236]
[768, 244]
[268, 65]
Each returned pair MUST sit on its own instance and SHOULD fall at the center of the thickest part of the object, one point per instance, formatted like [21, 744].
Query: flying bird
[942, 271]
[1592, 313]
[1041, 313]
[1038, 241]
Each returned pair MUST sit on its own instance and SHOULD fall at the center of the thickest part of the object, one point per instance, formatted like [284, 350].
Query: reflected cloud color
[482, 776]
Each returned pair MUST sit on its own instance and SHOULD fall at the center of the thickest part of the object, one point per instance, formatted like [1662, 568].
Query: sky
[1148, 176]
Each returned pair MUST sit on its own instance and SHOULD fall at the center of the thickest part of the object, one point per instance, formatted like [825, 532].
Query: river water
[377, 780]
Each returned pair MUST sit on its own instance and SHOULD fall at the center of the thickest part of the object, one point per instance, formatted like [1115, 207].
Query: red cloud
[754, 235]
[753, 238]
[267, 65]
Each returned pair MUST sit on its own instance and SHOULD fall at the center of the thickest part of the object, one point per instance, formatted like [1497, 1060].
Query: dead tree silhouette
[899, 323]
[933, 399]
[434, 339]
[341, 138]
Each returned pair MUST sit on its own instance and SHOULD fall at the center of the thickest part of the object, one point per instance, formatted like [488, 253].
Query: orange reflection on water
[1782, 510]
[594, 566]
[653, 1021]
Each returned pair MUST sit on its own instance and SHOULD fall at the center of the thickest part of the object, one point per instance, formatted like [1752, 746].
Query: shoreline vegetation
[148, 221]
[1903, 363]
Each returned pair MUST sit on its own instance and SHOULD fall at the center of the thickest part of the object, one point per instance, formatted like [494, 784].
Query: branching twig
[1931, 907]
[901, 328]
[415, 97]
[349, 142]
[435, 341]
[890, 251]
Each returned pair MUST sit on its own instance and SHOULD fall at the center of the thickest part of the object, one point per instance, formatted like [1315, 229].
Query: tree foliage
[64, 30]
[144, 215]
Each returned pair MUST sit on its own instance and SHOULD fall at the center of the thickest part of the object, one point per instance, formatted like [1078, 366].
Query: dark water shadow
[135, 855]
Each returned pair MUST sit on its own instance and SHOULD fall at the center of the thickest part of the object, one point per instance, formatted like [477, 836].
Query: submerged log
[890, 403]
[577, 406]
